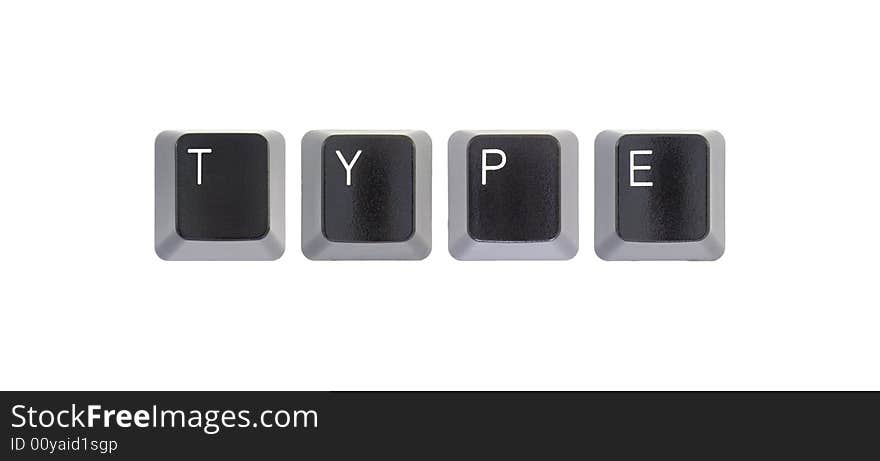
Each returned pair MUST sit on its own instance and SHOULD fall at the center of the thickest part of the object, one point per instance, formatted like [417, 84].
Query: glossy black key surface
[662, 187]
[227, 196]
[368, 197]
[520, 201]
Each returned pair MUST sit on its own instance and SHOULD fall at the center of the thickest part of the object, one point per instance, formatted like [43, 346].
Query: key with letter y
[366, 195]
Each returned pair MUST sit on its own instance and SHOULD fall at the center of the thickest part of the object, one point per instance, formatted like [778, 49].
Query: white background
[86, 87]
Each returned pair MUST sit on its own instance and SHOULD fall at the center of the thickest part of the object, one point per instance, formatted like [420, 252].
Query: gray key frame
[463, 246]
[317, 246]
[610, 246]
[169, 245]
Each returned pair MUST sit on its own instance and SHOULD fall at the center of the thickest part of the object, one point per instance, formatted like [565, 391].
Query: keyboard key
[219, 195]
[513, 195]
[659, 195]
[366, 195]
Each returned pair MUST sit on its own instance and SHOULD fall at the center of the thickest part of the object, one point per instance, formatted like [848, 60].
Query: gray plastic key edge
[608, 244]
[171, 246]
[463, 247]
[315, 244]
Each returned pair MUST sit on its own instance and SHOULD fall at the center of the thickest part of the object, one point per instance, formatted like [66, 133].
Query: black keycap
[513, 186]
[368, 188]
[662, 187]
[222, 186]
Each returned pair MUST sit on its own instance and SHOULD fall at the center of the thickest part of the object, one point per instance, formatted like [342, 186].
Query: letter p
[486, 167]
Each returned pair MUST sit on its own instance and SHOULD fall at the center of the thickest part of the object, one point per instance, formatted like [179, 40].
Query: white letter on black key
[236, 210]
[633, 167]
[199, 152]
[348, 166]
[528, 210]
[381, 210]
[493, 167]
[659, 195]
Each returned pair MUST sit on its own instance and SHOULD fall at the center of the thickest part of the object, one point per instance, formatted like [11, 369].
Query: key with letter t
[366, 195]
[513, 195]
[219, 196]
[659, 195]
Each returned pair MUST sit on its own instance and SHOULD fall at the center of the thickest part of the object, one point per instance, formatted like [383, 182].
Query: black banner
[447, 425]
